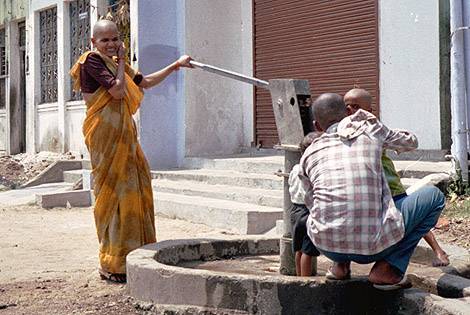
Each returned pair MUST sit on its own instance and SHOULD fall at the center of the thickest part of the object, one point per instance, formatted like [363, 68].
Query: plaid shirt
[351, 207]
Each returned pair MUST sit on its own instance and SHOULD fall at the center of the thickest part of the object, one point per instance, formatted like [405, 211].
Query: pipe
[457, 87]
[466, 38]
[231, 74]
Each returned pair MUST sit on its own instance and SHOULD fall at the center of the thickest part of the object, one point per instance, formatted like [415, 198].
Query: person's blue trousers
[420, 212]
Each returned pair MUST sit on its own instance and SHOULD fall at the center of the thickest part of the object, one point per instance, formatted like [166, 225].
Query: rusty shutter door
[333, 44]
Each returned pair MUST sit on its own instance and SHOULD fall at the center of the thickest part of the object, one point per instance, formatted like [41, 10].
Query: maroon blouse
[94, 73]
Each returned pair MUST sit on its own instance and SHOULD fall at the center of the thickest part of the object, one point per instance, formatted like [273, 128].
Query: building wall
[219, 111]
[12, 10]
[54, 126]
[409, 68]
[156, 45]
[45, 120]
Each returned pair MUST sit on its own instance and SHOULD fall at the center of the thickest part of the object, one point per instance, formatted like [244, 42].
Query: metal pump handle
[230, 74]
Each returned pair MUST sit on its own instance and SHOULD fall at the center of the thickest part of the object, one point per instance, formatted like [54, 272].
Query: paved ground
[48, 262]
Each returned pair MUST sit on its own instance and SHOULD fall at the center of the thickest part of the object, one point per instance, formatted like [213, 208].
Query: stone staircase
[241, 193]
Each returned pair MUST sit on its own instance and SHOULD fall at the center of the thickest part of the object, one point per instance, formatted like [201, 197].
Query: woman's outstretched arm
[153, 79]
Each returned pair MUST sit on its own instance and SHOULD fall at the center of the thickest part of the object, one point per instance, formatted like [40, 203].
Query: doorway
[18, 90]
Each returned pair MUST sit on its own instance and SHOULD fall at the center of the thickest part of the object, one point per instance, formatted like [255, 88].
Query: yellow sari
[124, 213]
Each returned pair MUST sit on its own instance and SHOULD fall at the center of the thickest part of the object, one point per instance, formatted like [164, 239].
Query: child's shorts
[300, 240]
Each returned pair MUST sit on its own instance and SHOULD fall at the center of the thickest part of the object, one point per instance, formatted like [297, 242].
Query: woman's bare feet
[113, 277]
[383, 273]
[442, 259]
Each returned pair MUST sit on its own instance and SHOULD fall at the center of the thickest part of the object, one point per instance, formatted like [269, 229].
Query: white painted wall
[47, 124]
[409, 68]
[219, 111]
[75, 113]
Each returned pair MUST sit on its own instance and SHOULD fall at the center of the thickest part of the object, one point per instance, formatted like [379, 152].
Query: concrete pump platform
[240, 276]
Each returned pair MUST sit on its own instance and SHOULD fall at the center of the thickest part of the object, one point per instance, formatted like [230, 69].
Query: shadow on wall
[159, 120]
[156, 57]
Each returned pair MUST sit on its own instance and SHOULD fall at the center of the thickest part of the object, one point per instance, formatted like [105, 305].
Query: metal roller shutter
[333, 44]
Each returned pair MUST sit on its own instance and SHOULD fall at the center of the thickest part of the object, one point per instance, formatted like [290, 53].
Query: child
[301, 244]
[361, 99]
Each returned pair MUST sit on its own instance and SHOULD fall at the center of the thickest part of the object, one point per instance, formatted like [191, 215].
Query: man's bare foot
[442, 259]
[339, 271]
[384, 273]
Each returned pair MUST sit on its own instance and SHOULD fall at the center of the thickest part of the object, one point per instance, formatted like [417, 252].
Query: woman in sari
[112, 90]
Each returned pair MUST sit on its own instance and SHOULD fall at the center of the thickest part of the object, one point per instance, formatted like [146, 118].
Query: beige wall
[409, 68]
[219, 111]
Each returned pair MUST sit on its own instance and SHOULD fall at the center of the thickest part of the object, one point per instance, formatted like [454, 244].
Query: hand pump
[291, 102]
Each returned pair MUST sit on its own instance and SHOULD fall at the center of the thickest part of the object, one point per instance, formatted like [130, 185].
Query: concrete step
[419, 169]
[268, 164]
[223, 177]
[75, 198]
[28, 195]
[246, 163]
[262, 197]
[242, 218]
[73, 176]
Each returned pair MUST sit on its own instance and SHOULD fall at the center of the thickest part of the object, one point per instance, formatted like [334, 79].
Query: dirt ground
[18, 169]
[48, 262]
[454, 231]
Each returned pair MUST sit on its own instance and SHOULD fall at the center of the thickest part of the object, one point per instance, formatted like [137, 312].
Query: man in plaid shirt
[352, 213]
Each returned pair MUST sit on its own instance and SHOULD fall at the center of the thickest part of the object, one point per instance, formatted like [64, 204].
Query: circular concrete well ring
[156, 274]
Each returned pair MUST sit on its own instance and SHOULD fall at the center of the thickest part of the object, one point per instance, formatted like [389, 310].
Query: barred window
[48, 52]
[3, 69]
[79, 12]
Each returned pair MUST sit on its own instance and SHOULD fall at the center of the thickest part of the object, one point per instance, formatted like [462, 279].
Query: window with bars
[3, 69]
[48, 54]
[79, 12]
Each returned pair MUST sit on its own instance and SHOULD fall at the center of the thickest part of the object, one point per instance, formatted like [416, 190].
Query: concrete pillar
[159, 27]
[287, 266]
[466, 39]
[32, 77]
[98, 8]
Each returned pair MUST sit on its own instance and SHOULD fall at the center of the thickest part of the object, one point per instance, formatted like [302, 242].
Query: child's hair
[308, 139]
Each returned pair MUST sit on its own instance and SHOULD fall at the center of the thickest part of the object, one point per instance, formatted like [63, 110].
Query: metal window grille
[79, 33]
[48, 49]
[3, 69]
